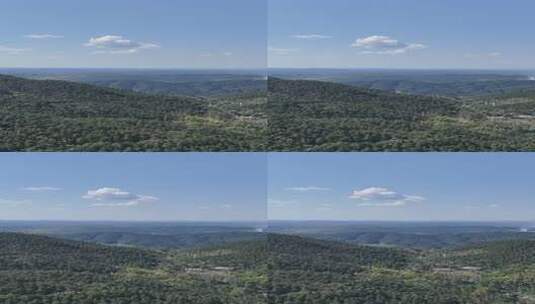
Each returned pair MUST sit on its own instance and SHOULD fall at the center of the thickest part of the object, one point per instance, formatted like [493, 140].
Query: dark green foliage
[294, 253]
[48, 115]
[31, 252]
[183, 240]
[500, 254]
[275, 269]
[320, 116]
[312, 271]
[43, 270]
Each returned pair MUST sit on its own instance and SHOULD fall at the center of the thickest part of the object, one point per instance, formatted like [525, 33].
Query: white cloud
[281, 51]
[41, 189]
[228, 54]
[226, 206]
[43, 36]
[384, 45]
[113, 44]
[379, 196]
[11, 50]
[494, 205]
[307, 189]
[115, 197]
[311, 36]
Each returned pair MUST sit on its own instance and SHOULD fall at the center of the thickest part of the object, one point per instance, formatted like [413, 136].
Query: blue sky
[140, 186]
[133, 33]
[482, 34]
[401, 186]
[255, 186]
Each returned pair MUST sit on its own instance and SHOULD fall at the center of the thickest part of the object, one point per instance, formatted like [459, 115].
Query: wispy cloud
[114, 44]
[38, 189]
[325, 207]
[43, 36]
[311, 36]
[307, 189]
[384, 45]
[115, 197]
[14, 203]
[483, 55]
[211, 54]
[379, 196]
[281, 51]
[12, 50]
[276, 203]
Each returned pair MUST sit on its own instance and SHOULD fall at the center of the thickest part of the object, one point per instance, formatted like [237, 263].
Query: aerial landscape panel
[401, 228]
[400, 76]
[283, 228]
[148, 76]
[132, 228]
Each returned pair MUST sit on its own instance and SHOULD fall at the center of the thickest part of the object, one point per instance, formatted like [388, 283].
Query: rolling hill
[51, 115]
[306, 115]
[304, 270]
[278, 269]
[202, 83]
[43, 270]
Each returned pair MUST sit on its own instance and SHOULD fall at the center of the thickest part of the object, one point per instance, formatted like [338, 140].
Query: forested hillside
[163, 241]
[43, 270]
[309, 115]
[301, 115]
[50, 115]
[275, 269]
[311, 271]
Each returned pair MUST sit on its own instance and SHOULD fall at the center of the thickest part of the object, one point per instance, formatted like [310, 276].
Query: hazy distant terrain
[453, 83]
[407, 234]
[149, 235]
[203, 83]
